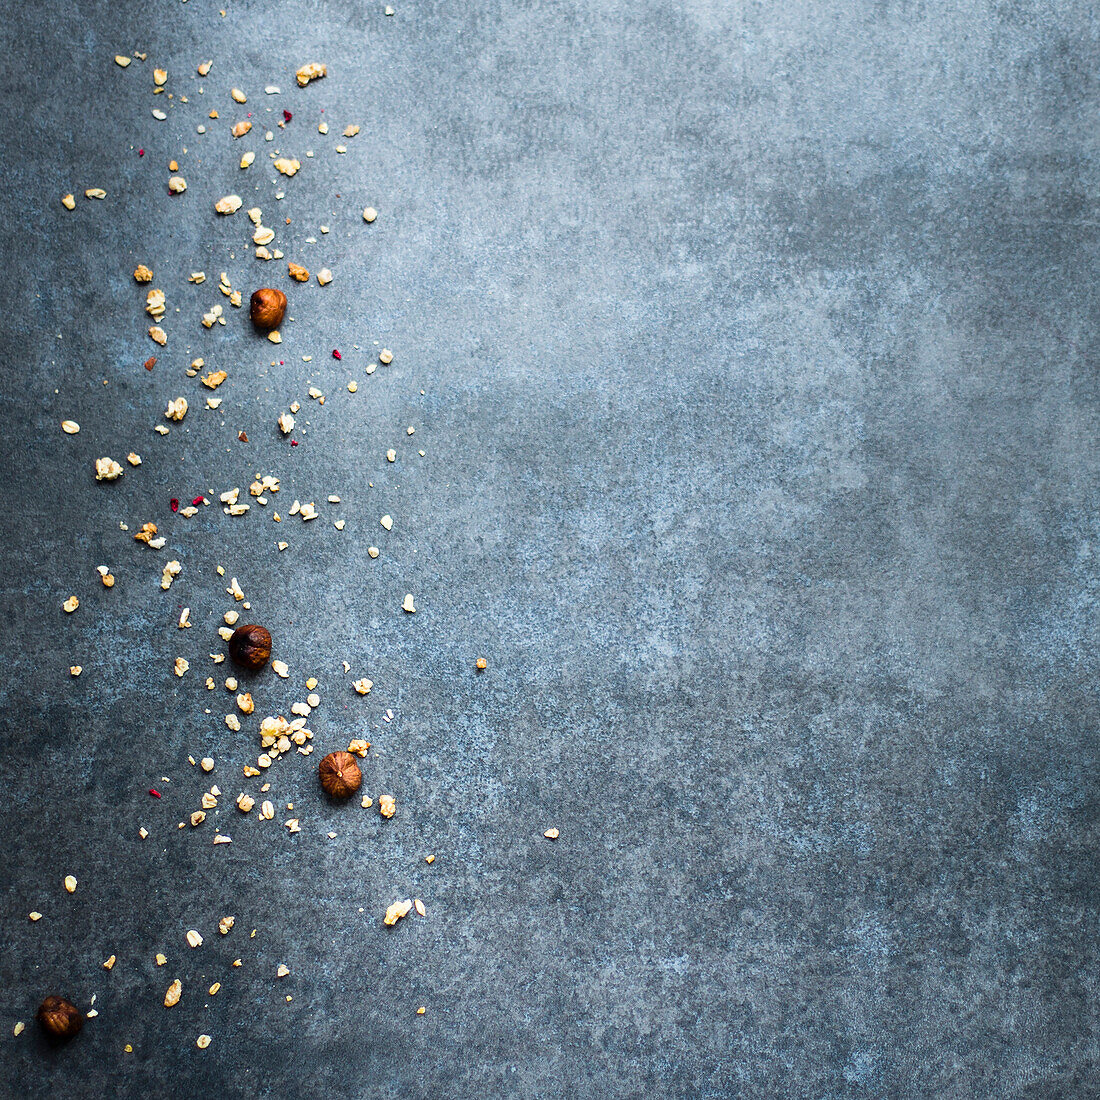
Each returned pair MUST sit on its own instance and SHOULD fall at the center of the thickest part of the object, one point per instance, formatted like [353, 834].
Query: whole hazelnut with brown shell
[266, 307]
[340, 775]
[250, 646]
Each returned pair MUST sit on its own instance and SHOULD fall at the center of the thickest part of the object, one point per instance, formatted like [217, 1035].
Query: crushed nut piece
[298, 272]
[71, 604]
[70, 884]
[181, 666]
[230, 204]
[396, 911]
[194, 938]
[313, 71]
[142, 274]
[387, 805]
[107, 469]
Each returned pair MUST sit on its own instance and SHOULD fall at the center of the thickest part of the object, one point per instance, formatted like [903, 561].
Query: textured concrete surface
[758, 349]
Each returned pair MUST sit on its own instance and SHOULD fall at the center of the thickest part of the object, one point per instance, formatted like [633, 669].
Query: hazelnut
[250, 646]
[60, 1018]
[340, 775]
[267, 307]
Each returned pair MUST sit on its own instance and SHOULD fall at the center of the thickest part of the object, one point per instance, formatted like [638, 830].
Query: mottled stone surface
[757, 345]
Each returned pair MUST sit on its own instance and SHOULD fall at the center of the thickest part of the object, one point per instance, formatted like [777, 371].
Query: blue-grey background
[758, 349]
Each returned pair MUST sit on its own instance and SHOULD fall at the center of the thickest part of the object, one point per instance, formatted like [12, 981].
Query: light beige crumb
[75, 670]
[202, 1042]
[172, 996]
[312, 71]
[551, 834]
[107, 469]
[387, 805]
[419, 906]
[71, 604]
[122, 61]
[407, 603]
[68, 202]
[396, 911]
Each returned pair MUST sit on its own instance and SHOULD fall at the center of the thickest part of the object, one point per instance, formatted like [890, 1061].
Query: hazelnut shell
[266, 307]
[250, 646]
[340, 775]
[59, 1018]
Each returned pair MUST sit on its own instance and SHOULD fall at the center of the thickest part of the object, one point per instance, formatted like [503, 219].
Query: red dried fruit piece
[174, 504]
[336, 354]
[198, 500]
[151, 362]
[287, 116]
[141, 152]
[242, 437]
[155, 794]
[294, 443]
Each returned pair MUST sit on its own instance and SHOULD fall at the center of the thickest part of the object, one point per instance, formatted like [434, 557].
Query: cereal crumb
[396, 911]
[107, 469]
[313, 71]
